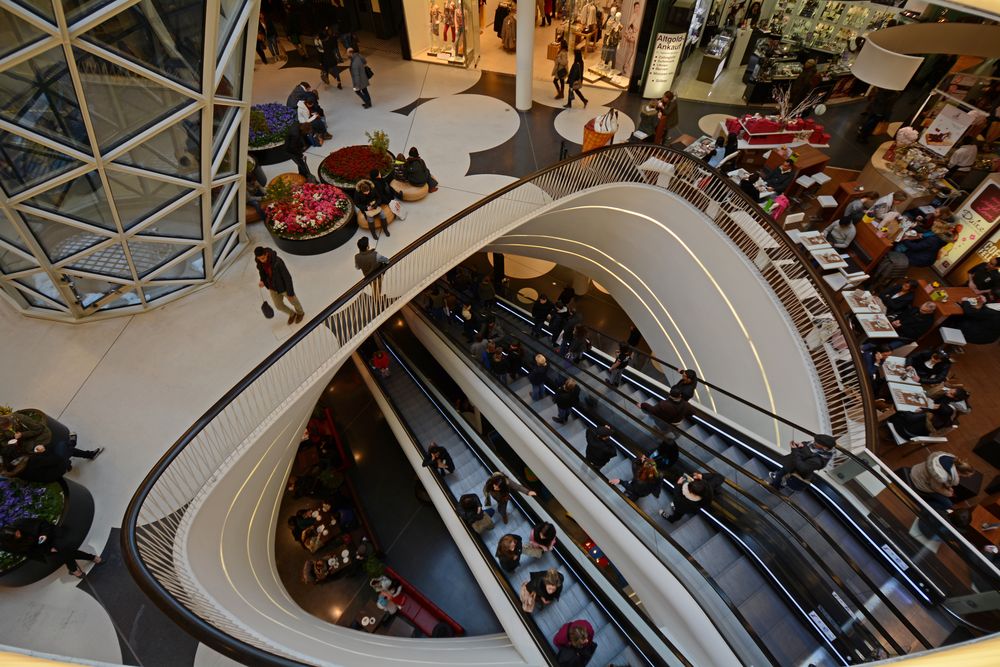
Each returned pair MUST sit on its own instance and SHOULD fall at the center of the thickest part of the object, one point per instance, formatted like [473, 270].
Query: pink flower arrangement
[906, 136]
[313, 209]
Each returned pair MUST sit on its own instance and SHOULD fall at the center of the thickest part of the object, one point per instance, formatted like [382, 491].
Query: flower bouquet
[311, 210]
[269, 123]
[348, 165]
[21, 500]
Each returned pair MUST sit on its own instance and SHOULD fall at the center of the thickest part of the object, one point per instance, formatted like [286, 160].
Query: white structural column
[525, 55]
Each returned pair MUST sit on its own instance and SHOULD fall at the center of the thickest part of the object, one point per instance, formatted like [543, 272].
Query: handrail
[182, 477]
[637, 637]
[791, 537]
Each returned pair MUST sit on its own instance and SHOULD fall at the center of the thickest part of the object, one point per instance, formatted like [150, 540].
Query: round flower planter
[74, 524]
[346, 166]
[290, 222]
[269, 123]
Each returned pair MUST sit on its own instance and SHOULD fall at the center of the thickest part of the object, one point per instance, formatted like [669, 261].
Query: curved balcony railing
[181, 479]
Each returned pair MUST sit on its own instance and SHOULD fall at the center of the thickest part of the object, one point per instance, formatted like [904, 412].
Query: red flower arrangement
[312, 210]
[348, 165]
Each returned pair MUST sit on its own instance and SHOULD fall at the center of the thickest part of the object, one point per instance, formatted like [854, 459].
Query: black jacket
[895, 304]
[599, 451]
[913, 324]
[28, 546]
[935, 375]
[567, 399]
[384, 191]
[538, 374]
[778, 180]
[804, 461]
[510, 561]
[980, 326]
[668, 410]
[984, 277]
[536, 585]
[541, 310]
[45, 467]
[280, 279]
[470, 508]
[686, 389]
[449, 465]
[416, 172]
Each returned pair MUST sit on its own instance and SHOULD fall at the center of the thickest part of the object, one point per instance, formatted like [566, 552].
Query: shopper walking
[567, 397]
[41, 540]
[499, 487]
[360, 76]
[575, 80]
[560, 69]
[691, 494]
[329, 56]
[537, 376]
[540, 312]
[295, 146]
[274, 276]
[804, 460]
[369, 262]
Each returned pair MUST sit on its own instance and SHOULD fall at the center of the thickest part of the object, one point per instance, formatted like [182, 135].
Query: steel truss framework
[123, 140]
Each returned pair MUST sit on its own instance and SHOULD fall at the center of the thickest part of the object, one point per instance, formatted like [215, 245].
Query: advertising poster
[663, 66]
[631, 23]
[975, 220]
[946, 129]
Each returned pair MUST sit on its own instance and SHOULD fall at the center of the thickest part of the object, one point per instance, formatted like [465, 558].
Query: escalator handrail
[512, 595]
[636, 637]
[899, 490]
[790, 535]
[663, 533]
[179, 612]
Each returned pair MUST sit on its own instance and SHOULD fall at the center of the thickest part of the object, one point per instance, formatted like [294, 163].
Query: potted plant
[269, 123]
[26, 500]
[308, 219]
[348, 165]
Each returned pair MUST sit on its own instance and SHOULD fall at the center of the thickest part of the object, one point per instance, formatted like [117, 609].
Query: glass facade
[120, 150]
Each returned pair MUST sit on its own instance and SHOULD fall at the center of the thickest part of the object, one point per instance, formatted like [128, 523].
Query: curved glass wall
[113, 114]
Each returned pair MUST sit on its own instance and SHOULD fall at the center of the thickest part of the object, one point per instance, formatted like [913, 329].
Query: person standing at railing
[804, 460]
[274, 276]
[369, 262]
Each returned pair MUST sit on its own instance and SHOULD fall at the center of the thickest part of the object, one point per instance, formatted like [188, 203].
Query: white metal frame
[61, 34]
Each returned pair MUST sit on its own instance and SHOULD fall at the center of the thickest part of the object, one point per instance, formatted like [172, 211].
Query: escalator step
[717, 554]
[788, 639]
[740, 581]
[693, 533]
[764, 609]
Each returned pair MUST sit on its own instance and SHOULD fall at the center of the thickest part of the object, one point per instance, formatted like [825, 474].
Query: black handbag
[368, 72]
[265, 307]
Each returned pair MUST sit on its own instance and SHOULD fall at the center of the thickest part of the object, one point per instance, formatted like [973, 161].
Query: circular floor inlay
[527, 294]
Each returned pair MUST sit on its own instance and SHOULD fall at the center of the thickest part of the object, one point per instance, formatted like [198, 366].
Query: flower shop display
[26, 500]
[756, 129]
[269, 123]
[348, 165]
[306, 211]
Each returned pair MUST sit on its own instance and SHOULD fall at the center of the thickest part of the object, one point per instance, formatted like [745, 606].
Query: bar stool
[952, 338]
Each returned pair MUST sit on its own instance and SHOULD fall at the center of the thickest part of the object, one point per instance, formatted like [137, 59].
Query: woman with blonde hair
[541, 589]
[537, 376]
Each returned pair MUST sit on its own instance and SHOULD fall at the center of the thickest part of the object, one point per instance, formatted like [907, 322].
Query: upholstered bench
[363, 221]
[410, 192]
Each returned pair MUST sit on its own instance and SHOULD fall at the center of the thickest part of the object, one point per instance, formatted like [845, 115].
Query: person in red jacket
[380, 362]
[575, 644]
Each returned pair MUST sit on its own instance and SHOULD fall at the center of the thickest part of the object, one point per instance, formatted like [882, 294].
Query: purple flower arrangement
[19, 500]
[269, 123]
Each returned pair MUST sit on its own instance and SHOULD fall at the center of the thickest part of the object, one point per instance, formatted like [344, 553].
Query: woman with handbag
[509, 552]
[541, 539]
[559, 70]
[541, 589]
[360, 75]
[575, 80]
[479, 519]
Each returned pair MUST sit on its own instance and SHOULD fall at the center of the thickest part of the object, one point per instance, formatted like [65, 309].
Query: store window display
[443, 31]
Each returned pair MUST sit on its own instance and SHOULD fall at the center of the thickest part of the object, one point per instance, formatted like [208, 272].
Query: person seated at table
[931, 366]
[935, 479]
[840, 233]
[912, 324]
[984, 277]
[957, 396]
[716, 156]
[921, 250]
[748, 184]
[899, 297]
[978, 323]
[779, 178]
[856, 208]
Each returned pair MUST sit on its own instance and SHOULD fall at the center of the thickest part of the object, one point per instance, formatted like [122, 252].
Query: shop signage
[663, 66]
[946, 129]
[977, 217]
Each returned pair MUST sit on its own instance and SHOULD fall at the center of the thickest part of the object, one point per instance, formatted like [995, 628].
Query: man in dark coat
[805, 459]
[539, 313]
[600, 449]
[673, 410]
[979, 324]
[913, 323]
[278, 281]
[301, 92]
[40, 540]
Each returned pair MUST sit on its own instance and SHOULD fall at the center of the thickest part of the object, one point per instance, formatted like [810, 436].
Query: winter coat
[561, 63]
[896, 304]
[538, 375]
[536, 585]
[913, 324]
[279, 280]
[567, 398]
[500, 496]
[935, 375]
[671, 411]
[416, 172]
[369, 261]
[980, 326]
[599, 451]
[359, 79]
[922, 251]
[935, 475]
[540, 310]
[806, 460]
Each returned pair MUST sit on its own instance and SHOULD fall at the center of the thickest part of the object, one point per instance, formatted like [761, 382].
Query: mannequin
[628, 49]
[612, 37]
[449, 19]
[459, 46]
[435, 19]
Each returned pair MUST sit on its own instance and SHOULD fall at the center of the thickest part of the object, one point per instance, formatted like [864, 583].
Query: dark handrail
[792, 536]
[637, 636]
[231, 646]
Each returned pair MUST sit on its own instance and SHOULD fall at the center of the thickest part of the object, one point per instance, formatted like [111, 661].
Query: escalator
[622, 634]
[803, 594]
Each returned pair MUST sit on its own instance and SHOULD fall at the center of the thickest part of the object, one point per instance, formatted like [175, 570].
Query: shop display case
[714, 59]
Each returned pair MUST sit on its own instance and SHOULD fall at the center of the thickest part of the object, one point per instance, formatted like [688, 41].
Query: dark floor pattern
[143, 630]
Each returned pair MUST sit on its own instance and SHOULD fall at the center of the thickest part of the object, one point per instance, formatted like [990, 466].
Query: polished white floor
[133, 385]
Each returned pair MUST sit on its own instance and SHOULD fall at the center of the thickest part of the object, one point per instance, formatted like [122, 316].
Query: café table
[984, 517]
[828, 258]
[908, 397]
[876, 325]
[942, 309]
[894, 369]
[861, 302]
[374, 614]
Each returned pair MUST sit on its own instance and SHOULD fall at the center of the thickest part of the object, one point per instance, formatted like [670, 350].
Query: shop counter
[878, 176]
[711, 67]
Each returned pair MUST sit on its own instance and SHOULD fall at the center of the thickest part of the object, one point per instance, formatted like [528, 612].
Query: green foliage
[374, 567]
[48, 506]
[379, 141]
[278, 190]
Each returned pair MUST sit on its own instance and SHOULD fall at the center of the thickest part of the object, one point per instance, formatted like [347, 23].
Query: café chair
[841, 279]
[952, 338]
[793, 220]
[922, 440]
